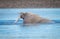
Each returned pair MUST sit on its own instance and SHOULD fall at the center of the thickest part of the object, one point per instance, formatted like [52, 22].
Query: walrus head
[22, 15]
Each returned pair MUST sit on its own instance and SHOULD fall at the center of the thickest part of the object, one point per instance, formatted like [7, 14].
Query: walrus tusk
[17, 19]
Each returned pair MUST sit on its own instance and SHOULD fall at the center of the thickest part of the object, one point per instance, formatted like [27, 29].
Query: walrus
[30, 18]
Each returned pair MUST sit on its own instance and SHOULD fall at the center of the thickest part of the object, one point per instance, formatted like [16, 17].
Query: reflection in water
[42, 31]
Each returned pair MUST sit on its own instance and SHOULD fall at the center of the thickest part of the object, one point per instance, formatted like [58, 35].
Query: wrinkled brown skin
[29, 18]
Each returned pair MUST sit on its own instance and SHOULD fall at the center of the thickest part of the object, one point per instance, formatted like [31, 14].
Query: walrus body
[30, 18]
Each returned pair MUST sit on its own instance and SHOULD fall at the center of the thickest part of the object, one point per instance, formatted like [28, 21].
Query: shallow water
[9, 30]
[20, 31]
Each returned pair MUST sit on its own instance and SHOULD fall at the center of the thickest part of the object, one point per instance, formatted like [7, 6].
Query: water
[41, 31]
[9, 30]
